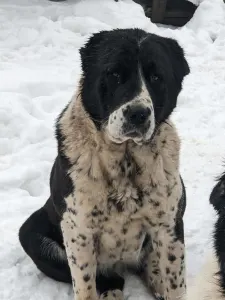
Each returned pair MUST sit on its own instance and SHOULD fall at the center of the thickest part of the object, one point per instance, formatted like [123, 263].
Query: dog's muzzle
[134, 120]
[137, 120]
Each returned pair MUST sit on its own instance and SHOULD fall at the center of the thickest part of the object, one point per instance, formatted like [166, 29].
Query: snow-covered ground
[39, 68]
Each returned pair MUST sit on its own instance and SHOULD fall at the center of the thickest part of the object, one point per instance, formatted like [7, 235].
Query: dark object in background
[169, 12]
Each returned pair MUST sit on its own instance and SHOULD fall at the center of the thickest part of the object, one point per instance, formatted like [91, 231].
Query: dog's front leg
[81, 253]
[165, 265]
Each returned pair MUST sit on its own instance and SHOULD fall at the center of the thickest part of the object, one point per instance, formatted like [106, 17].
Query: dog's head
[131, 80]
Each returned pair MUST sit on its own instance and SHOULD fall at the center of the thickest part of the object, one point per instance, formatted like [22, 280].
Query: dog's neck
[81, 138]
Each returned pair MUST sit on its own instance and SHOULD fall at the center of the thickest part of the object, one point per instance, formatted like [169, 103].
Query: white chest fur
[143, 192]
[121, 191]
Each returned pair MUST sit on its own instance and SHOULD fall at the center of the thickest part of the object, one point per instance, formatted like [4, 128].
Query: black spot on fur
[139, 200]
[173, 286]
[155, 203]
[160, 214]
[86, 277]
[83, 237]
[84, 266]
[124, 230]
[160, 244]
[167, 271]
[73, 211]
[118, 243]
[149, 221]
[155, 272]
[118, 205]
[171, 257]
[73, 259]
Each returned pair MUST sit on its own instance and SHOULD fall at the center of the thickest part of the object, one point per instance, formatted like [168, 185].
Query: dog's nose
[137, 115]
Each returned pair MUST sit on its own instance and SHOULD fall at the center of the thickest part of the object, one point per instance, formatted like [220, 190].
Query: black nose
[137, 115]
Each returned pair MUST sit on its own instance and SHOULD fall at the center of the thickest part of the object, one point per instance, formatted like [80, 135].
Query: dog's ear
[88, 51]
[179, 63]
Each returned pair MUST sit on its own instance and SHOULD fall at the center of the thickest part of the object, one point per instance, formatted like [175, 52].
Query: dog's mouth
[114, 139]
[134, 135]
[130, 124]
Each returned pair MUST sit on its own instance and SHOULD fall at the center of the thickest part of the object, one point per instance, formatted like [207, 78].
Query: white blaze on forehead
[144, 96]
[117, 118]
[146, 99]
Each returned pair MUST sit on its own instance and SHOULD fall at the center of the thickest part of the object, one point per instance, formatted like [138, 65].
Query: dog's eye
[116, 77]
[154, 77]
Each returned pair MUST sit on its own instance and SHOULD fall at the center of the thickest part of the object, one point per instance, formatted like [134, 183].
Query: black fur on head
[117, 63]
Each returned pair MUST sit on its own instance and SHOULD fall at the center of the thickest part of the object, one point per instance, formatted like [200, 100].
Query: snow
[196, 2]
[39, 69]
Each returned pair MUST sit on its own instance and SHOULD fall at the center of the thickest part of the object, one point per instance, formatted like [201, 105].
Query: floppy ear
[179, 63]
[88, 51]
[90, 54]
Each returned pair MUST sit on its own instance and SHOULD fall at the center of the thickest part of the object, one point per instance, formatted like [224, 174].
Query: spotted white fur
[95, 232]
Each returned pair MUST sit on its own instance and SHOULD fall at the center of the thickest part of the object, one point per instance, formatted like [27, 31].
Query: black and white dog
[210, 283]
[117, 199]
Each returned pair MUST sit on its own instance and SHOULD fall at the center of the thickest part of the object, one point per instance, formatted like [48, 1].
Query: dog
[210, 282]
[117, 199]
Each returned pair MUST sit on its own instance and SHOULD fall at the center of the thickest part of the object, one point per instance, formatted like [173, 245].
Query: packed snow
[39, 70]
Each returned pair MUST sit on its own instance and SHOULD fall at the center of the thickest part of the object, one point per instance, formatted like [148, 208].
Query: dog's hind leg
[42, 241]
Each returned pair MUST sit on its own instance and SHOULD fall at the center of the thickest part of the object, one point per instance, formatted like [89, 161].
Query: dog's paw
[112, 295]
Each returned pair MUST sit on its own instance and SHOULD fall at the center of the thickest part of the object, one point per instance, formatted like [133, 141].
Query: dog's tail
[38, 238]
